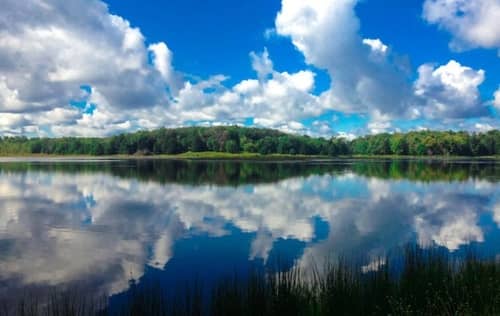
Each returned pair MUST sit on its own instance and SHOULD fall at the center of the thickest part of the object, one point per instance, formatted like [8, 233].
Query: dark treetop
[235, 139]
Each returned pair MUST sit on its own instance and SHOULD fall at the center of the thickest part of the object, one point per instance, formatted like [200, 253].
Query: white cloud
[481, 124]
[162, 61]
[347, 136]
[50, 49]
[262, 64]
[450, 91]
[367, 77]
[53, 49]
[377, 127]
[472, 23]
[273, 100]
[326, 32]
[483, 127]
[269, 33]
[53, 54]
[496, 100]
[376, 45]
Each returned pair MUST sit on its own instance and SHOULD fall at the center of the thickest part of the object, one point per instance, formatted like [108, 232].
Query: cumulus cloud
[102, 63]
[51, 49]
[496, 100]
[377, 46]
[377, 127]
[481, 124]
[275, 99]
[327, 34]
[262, 64]
[162, 60]
[74, 69]
[55, 49]
[450, 91]
[472, 23]
[55, 56]
[367, 77]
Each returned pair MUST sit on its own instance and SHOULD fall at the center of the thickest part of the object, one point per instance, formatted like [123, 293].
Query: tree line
[234, 139]
[429, 143]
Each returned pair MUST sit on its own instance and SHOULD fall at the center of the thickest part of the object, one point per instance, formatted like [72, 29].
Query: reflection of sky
[58, 228]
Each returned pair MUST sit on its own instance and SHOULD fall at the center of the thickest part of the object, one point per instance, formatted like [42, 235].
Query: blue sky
[226, 31]
[328, 68]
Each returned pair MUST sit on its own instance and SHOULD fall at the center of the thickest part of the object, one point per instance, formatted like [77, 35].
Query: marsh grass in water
[56, 303]
[417, 282]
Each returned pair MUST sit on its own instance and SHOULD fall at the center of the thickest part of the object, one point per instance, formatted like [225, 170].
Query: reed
[415, 282]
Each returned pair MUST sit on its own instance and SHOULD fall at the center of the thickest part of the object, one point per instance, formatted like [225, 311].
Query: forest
[234, 139]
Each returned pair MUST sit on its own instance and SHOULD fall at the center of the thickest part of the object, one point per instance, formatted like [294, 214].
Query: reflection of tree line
[240, 173]
[428, 171]
[185, 172]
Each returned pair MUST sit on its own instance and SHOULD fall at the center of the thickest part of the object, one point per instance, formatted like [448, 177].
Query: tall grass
[417, 282]
[56, 303]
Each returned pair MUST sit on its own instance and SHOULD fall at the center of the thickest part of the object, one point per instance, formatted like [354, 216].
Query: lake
[104, 225]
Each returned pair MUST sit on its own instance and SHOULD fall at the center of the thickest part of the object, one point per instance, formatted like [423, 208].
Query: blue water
[104, 225]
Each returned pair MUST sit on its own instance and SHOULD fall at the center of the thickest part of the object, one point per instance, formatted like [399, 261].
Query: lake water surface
[101, 224]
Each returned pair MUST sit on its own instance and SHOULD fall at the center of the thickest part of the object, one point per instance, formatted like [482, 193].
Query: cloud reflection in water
[59, 228]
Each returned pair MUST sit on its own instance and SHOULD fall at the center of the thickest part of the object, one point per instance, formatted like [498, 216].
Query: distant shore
[236, 157]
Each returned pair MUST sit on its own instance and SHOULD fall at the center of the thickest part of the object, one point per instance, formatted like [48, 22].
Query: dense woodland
[256, 140]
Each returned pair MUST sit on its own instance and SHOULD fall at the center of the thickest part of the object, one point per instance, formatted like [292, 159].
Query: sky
[340, 68]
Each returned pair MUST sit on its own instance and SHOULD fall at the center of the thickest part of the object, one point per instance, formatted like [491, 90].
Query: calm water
[100, 224]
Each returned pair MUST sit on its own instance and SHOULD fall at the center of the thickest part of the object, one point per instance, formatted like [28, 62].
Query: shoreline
[237, 157]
